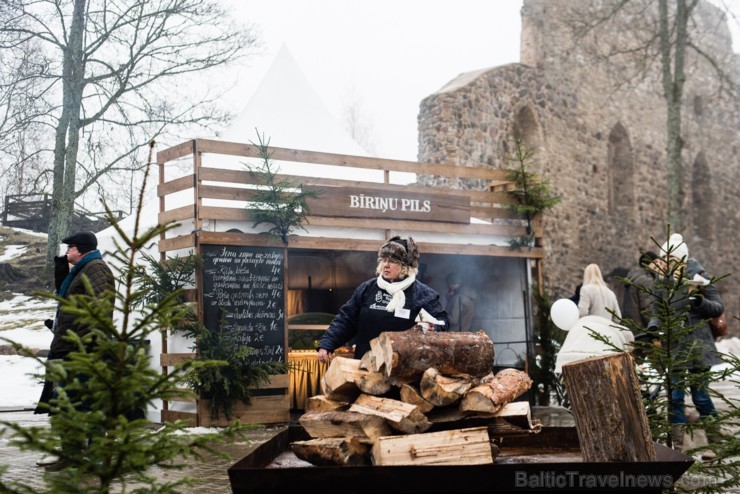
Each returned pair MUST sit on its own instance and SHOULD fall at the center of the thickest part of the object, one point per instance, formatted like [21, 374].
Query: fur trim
[403, 251]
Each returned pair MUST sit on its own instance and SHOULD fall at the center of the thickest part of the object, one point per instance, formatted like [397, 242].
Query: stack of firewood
[411, 400]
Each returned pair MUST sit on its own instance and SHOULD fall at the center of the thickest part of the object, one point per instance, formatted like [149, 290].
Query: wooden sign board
[243, 292]
[350, 202]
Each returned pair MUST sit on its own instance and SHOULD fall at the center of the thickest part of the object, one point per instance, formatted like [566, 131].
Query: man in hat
[390, 302]
[87, 263]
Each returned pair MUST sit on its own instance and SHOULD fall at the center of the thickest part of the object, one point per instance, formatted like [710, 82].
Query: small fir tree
[279, 202]
[532, 195]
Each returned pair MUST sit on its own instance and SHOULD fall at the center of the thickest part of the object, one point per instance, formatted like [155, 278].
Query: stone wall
[600, 140]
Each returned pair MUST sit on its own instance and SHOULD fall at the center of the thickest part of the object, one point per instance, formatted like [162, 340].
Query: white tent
[287, 109]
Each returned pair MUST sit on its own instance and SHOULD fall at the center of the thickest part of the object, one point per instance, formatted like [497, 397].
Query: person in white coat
[596, 298]
[582, 342]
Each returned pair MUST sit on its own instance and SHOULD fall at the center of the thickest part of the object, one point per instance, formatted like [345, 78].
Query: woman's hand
[324, 356]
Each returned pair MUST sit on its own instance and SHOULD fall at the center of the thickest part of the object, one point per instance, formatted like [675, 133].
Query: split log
[351, 425]
[320, 403]
[441, 390]
[494, 393]
[512, 418]
[373, 383]
[607, 408]
[332, 451]
[407, 354]
[401, 416]
[410, 394]
[345, 380]
[455, 447]
[367, 361]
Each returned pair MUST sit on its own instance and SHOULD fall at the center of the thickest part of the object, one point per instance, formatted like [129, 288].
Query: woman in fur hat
[390, 302]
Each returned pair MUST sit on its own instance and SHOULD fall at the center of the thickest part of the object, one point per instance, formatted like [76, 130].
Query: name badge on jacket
[402, 313]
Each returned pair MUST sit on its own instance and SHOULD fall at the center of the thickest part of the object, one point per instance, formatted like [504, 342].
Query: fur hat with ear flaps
[403, 251]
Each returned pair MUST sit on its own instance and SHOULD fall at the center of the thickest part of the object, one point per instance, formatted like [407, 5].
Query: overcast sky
[386, 55]
[383, 55]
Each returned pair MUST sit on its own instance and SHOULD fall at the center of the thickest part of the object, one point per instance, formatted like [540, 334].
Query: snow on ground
[22, 321]
[13, 251]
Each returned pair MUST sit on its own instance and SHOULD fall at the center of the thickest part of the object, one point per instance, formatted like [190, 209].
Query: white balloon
[564, 313]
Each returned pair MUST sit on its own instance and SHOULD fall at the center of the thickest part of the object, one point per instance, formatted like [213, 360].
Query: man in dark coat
[638, 299]
[87, 263]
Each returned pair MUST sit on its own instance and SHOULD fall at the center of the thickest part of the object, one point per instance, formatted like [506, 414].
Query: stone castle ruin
[600, 140]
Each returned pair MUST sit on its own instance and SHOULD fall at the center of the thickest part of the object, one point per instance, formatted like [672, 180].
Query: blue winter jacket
[347, 325]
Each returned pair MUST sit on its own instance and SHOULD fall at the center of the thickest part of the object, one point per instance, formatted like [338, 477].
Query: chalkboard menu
[243, 289]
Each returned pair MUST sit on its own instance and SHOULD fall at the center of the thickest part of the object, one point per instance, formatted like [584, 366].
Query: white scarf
[396, 290]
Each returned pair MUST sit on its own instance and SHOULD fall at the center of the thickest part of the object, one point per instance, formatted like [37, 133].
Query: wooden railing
[487, 204]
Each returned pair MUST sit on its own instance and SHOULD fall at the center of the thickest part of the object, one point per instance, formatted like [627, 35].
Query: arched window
[620, 172]
[525, 130]
[702, 199]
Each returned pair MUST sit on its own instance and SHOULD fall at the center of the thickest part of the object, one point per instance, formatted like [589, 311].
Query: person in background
[390, 302]
[576, 297]
[460, 304]
[638, 298]
[695, 352]
[597, 299]
[86, 262]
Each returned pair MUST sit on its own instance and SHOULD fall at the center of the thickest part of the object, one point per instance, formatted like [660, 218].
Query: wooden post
[607, 407]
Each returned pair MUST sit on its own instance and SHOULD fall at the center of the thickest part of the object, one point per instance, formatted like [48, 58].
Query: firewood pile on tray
[416, 398]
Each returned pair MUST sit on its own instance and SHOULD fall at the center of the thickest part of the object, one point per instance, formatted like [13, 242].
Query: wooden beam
[312, 157]
[176, 185]
[177, 214]
[177, 243]
[175, 152]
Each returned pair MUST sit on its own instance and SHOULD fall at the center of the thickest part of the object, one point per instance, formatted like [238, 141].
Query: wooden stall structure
[217, 224]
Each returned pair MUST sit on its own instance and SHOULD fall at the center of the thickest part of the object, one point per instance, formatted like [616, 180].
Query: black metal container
[549, 461]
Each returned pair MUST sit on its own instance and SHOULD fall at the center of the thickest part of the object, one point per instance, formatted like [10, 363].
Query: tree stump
[607, 408]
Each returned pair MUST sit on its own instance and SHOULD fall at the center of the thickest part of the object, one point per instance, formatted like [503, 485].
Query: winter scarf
[396, 290]
[90, 256]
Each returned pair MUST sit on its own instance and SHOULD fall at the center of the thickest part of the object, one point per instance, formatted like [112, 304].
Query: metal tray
[544, 462]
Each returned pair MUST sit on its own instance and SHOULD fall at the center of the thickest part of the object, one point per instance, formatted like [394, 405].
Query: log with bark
[332, 451]
[496, 391]
[364, 428]
[411, 394]
[441, 390]
[607, 407]
[408, 354]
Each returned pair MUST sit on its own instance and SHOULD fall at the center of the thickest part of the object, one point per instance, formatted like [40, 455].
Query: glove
[49, 323]
[61, 270]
